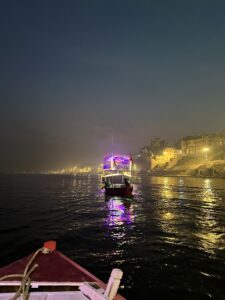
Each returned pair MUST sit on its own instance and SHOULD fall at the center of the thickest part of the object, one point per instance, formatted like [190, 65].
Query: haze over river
[169, 239]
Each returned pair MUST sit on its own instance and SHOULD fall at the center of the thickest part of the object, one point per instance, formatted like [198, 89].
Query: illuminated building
[168, 156]
[193, 145]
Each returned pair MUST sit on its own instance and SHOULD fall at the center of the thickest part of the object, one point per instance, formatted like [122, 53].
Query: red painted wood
[52, 267]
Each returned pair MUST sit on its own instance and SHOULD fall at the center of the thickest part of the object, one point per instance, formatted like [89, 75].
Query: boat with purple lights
[117, 175]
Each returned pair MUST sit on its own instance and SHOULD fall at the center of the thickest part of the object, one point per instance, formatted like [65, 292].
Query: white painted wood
[36, 284]
[92, 293]
[113, 284]
[77, 295]
[100, 294]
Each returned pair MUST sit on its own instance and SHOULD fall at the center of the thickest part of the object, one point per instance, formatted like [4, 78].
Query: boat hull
[121, 191]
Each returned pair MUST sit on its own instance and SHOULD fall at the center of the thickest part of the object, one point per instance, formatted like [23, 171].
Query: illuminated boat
[48, 274]
[116, 175]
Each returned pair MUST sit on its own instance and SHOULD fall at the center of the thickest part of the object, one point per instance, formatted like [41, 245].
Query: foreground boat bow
[48, 274]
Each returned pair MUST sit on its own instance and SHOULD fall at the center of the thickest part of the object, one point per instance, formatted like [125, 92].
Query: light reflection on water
[186, 219]
[211, 233]
[166, 211]
[168, 238]
[121, 211]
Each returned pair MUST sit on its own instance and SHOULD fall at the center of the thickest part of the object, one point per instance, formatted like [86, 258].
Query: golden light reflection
[211, 241]
[166, 190]
[166, 210]
[167, 216]
[208, 195]
[188, 214]
[209, 233]
[181, 189]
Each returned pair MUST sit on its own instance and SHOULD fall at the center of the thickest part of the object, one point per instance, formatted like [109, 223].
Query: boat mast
[131, 163]
[112, 157]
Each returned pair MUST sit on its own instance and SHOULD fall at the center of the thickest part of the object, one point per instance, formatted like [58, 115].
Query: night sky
[74, 73]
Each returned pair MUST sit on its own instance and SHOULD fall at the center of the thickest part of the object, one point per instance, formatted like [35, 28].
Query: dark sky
[73, 72]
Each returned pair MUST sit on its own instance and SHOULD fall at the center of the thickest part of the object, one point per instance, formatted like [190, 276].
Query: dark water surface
[169, 239]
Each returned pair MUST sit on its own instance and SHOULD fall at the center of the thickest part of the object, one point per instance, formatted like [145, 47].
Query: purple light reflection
[120, 212]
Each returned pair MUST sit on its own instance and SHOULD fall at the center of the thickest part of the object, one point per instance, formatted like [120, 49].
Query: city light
[206, 150]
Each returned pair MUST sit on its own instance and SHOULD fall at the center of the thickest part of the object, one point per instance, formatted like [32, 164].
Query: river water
[169, 239]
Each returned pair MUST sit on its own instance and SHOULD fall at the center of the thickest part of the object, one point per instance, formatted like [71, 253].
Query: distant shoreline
[176, 175]
[96, 174]
[190, 176]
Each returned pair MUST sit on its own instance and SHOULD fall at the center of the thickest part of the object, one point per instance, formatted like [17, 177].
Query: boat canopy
[117, 162]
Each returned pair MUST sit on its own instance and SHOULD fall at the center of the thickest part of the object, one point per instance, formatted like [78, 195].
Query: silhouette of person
[126, 182]
[107, 184]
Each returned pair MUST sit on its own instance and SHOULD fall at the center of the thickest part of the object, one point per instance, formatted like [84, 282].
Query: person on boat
[107, 184]
[126, 182]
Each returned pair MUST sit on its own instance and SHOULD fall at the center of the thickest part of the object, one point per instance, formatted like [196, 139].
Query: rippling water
[169, 239]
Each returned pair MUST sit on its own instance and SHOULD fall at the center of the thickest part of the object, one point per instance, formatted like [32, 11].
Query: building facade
[194, 145]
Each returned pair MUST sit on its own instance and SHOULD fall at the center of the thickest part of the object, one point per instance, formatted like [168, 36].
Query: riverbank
[182, 175]
[193, 167]
[200, 175]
